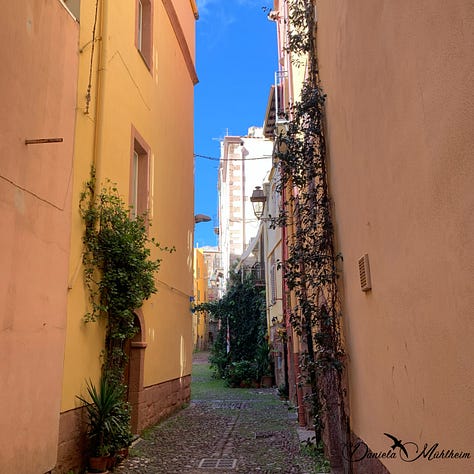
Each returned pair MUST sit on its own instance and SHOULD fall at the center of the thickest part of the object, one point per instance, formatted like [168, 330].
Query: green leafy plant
[263, 359]
[242, 374]
[123, 436]
[283, 391]
[316, 452]
[241, 312]
[119, 270]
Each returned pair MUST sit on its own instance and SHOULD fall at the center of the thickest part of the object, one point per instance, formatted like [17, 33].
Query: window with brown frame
[139, 178]
[273, 281]
[144, 30]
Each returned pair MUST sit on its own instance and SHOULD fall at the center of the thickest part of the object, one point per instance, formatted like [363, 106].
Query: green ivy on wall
[119, 270]
[310, 270]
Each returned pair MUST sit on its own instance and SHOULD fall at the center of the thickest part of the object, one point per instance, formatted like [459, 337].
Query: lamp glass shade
[258, 200]
[258, 209]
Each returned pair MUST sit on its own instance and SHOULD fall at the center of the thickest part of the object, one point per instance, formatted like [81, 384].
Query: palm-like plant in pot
[104, 420]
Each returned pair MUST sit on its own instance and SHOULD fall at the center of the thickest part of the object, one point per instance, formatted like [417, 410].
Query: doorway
[135, 350]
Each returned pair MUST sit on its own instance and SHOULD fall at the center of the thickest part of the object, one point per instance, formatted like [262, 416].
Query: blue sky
[236, 57]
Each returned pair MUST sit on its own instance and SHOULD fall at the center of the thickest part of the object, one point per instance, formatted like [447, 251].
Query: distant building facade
[215, 272]
[200, 318]
[245, 163]
[215, 286]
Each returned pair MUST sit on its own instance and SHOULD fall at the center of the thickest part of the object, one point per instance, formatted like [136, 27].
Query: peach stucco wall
[38, 47]
[400, 113]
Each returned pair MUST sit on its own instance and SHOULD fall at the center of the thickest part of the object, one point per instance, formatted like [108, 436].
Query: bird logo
[397, 443]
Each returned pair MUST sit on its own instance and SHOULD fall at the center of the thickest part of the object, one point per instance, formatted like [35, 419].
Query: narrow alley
[223, 430]
[284, 187]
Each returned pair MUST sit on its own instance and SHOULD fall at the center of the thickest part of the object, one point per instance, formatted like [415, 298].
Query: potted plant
[103, 410]
[264, 365]
[123, 437]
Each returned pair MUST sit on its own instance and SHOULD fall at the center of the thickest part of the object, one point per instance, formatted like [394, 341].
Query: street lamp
[258, 200]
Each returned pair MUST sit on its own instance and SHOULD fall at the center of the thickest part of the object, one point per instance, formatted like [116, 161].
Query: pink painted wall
[399, 77]
[38, 47]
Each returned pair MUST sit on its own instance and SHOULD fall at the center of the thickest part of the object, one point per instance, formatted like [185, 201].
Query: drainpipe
[98, 112]
[99, 95]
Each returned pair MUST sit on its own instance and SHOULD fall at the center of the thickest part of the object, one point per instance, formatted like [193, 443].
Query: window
[140, 26]
[144, 30]
[273, 282]
[139, 176]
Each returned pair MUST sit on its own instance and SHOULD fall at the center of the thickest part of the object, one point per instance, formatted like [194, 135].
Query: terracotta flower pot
[98, 463]
[111, 461]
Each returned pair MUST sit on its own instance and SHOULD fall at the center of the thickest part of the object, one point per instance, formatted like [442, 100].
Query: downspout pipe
[100, 94]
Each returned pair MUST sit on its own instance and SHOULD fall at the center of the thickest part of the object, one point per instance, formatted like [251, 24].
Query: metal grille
[364, 273]
[229, 404]
[222, 463]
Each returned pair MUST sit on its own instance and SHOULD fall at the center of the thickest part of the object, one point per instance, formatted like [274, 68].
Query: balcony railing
[257, 272]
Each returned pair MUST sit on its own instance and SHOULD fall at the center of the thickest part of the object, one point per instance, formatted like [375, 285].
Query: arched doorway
[135, 350]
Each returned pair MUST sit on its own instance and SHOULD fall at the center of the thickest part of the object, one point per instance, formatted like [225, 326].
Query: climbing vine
[119, 271]
[310, 268]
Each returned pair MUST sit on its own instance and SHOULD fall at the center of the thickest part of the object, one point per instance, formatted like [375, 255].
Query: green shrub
[219, 358]
[241, 374]
[242, 334]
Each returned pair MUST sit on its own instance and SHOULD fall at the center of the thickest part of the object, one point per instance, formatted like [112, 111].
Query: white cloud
[204, 5]
[217, 12]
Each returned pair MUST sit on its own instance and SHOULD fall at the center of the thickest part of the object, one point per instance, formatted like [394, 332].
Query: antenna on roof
[221, 139]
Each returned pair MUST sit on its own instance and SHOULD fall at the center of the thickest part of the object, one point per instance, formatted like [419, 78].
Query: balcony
[281, 97]
[256, 272]
[277, 112]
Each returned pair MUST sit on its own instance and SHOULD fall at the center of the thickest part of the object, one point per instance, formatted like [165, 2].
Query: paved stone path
[223, 430]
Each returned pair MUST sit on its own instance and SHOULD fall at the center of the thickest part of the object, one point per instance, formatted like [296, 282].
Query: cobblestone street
[223, 430]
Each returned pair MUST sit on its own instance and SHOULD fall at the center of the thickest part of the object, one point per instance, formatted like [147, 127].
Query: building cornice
[183, 44]
[195, 9]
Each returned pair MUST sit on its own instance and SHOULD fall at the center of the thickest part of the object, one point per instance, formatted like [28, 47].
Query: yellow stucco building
[200, 321]
[134, 123]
